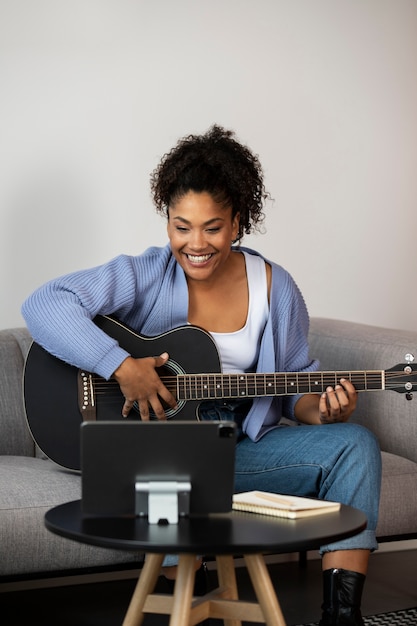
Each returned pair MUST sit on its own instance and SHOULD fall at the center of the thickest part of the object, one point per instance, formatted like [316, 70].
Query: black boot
[342, 594]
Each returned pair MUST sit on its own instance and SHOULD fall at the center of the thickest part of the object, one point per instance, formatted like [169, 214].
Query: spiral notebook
[278, 505]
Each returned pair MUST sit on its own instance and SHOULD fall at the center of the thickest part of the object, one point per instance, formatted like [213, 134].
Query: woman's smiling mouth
[201, 258]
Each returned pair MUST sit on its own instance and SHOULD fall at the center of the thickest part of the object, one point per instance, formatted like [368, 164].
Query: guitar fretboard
[212, 386]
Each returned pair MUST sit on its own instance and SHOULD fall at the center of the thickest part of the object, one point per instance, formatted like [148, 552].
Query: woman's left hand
[337, 404]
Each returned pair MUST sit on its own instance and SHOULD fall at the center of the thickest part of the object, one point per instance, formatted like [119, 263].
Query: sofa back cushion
[348, 346]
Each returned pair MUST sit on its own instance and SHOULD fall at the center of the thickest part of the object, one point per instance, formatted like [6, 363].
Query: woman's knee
[364, 439]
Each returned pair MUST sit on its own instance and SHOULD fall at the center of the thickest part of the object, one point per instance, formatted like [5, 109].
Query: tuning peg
[409, 396]
[409, 357]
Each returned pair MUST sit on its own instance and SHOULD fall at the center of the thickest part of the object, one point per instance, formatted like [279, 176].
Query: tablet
[123, 462]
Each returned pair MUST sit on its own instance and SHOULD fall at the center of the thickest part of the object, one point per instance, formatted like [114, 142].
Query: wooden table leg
[145, 585]
[183, 590]
[184, 585]
[264, 589]
[227, 579]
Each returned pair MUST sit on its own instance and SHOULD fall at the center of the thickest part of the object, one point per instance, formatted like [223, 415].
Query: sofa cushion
[398, 505]
[28, 488]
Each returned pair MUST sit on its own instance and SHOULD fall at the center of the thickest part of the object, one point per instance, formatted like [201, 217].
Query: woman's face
[201, 232]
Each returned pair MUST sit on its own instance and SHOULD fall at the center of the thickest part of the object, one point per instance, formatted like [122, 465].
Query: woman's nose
[197, 240]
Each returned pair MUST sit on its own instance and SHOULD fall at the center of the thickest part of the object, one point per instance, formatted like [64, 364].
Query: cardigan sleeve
[59, 315]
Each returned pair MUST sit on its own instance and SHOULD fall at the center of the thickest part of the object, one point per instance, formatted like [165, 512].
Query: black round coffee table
[218, 535]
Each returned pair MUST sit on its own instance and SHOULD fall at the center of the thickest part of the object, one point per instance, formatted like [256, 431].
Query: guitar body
[52, 395]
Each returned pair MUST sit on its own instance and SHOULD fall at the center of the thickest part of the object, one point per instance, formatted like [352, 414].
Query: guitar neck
[212, 386]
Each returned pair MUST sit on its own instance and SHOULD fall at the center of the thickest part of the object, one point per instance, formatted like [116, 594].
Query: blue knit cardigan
[149, 293]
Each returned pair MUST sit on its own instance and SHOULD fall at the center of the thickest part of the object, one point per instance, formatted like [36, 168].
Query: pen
[276, 499]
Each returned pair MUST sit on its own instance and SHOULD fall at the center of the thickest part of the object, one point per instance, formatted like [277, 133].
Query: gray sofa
[30, 484]
[388, 414]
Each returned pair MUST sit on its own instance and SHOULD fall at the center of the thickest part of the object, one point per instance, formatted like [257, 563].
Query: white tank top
[239, 350]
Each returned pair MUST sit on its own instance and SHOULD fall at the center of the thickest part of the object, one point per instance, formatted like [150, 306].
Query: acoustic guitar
[59, 397]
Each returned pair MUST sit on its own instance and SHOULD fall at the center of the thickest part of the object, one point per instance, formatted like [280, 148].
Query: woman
[210, 189]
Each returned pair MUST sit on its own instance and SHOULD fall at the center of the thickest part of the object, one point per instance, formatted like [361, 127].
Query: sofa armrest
[341, 345]
[15, 438]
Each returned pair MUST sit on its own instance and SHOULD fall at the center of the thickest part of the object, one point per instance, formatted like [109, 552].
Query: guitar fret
[226, 386]
[269, 385]
[374, 380]
[232, 385]
[242, 388]
[303, 382]
[316, 382]
[218, 386]
[328, 380]
[291, 384]
[251, 386]
[205, 386]
[280, 384]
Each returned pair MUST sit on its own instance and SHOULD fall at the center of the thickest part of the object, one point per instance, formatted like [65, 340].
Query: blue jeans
[340, 462]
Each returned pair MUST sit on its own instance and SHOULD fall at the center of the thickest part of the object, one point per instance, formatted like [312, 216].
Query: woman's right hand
[139, 382]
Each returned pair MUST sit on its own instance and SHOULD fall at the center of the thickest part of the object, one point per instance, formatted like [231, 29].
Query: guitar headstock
[403, 377]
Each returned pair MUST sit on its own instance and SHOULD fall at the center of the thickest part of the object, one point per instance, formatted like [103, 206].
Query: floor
[391, 585]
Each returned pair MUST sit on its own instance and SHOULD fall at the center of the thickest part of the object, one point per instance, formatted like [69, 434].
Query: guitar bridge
[86, 396]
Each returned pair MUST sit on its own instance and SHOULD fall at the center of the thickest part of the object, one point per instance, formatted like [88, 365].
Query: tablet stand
[162, 501]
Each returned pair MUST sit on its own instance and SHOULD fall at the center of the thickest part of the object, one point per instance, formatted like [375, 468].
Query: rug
[406, 617]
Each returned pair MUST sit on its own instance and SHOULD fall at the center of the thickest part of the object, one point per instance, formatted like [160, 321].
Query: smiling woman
[210, 189]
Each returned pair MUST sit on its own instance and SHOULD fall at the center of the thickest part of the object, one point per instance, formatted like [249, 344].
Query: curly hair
[215, 163]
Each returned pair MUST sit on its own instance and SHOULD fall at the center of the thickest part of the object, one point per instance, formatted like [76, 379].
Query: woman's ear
[236, 222]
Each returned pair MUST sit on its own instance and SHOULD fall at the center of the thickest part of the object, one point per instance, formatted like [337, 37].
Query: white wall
[93, 92]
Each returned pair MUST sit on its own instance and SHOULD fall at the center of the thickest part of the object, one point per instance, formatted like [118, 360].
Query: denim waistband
[228, 410]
